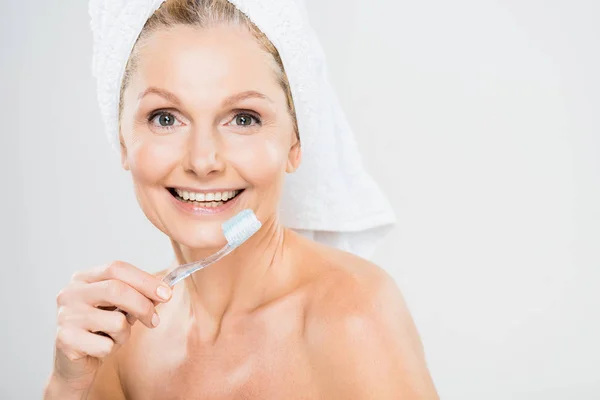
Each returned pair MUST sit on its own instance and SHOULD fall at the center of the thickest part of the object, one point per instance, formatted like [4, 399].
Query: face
[206, 132]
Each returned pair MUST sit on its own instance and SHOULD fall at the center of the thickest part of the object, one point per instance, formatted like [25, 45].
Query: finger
[95, 320]
[115, 293]
[145, 283]
[76, 343]
[108, 295]
[74, 297]
[130, 318]
[112, 323]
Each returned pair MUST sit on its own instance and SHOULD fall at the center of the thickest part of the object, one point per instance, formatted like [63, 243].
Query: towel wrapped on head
[330, 198]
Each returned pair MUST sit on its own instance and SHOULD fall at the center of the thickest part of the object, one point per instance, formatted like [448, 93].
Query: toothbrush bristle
[239, 228]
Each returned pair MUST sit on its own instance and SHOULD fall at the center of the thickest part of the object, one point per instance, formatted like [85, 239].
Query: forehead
[223, 58]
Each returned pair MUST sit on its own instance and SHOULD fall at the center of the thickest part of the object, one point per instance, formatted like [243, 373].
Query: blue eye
[245, 119]
[163, 119]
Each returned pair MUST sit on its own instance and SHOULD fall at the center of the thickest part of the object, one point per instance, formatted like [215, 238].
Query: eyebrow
[162, 93]
[248, 94]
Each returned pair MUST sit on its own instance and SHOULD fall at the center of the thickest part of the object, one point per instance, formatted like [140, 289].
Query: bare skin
[334, 326]
[282, 317]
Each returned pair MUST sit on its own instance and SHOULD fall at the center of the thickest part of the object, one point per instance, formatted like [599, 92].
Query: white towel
[330, 198]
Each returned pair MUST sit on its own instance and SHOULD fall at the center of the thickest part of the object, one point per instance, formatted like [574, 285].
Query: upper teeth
[215, 196]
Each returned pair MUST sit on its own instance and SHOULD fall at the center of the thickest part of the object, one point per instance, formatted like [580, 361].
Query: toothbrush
[237, 230]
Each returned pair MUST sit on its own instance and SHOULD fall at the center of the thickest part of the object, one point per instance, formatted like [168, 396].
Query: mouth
[205, 199]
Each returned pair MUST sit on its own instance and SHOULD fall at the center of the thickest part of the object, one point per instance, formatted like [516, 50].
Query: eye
[163, 119]
[245, 120]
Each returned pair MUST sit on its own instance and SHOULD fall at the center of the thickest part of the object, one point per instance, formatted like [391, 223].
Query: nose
[203, 154]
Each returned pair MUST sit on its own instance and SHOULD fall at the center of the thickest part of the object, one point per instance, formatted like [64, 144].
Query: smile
[205, 199]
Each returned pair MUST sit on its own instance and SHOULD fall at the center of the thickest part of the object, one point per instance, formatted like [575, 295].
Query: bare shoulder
[349, 283]
[354, 294]
[361, 338]
[349, 286]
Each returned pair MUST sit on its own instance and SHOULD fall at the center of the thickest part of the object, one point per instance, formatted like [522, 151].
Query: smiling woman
[208, 122]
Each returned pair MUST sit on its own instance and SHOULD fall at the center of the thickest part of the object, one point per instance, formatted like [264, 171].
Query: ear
[124, 161]
[294, 157]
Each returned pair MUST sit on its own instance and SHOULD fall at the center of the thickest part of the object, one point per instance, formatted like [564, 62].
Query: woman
[207, 126]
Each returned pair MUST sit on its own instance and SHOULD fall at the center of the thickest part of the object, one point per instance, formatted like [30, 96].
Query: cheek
[149, 162]
[262, 161]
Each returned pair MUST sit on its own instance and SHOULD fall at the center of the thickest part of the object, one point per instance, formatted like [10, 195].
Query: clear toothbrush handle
[185, 270]
[236, 230]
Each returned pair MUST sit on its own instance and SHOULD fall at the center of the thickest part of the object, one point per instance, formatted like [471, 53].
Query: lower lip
[195, 209]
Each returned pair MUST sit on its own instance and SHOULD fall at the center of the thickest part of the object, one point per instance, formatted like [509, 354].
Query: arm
[106, 385]
[89, 331]
[55, 389]
[364, 344]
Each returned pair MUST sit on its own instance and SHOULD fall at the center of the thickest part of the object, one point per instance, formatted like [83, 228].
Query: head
[206, 107]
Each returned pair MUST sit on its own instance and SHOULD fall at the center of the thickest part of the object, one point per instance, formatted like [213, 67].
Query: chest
[252, 360]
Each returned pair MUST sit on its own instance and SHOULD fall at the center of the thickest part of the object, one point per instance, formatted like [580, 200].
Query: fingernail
[163, 292]
[155, 320]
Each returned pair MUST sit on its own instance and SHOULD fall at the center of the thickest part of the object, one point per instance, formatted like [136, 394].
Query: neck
[243, 280]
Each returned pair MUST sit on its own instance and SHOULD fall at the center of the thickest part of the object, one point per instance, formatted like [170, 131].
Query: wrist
[57, 388]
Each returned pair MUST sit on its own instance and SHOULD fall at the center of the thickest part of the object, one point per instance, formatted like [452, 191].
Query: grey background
[478, 118]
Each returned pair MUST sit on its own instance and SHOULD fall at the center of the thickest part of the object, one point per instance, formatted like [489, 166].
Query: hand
[89, 329]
